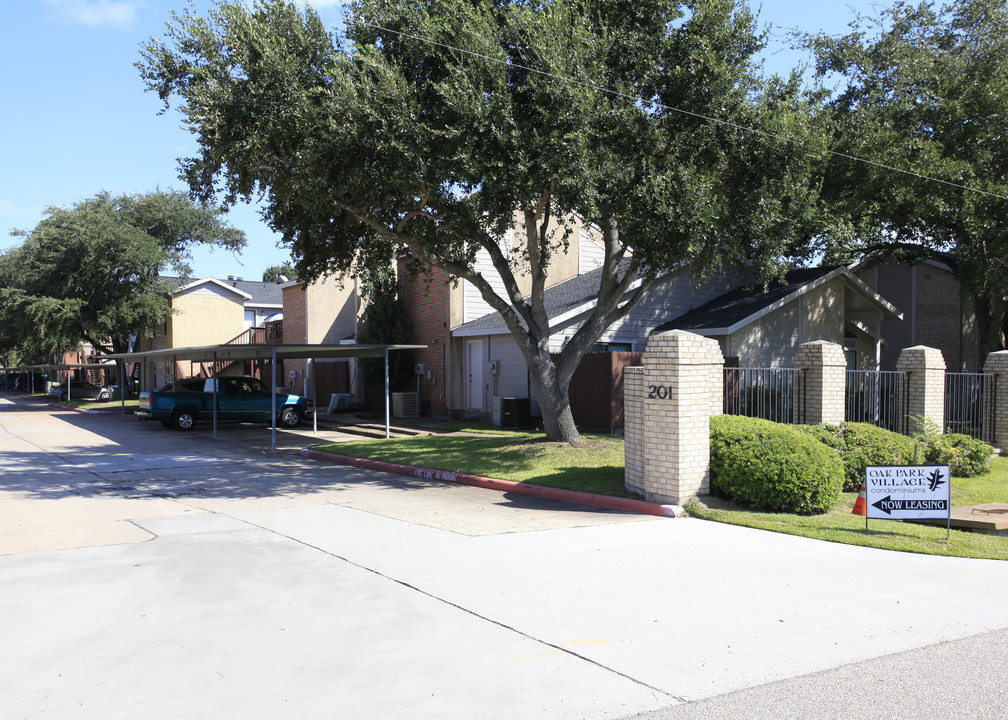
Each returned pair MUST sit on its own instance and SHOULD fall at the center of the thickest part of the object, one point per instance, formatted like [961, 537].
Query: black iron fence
[970, 404]
[879, 397]
[770, 393]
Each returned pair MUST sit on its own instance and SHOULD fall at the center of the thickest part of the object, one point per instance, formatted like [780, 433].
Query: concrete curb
[85, 411]
[641, 507]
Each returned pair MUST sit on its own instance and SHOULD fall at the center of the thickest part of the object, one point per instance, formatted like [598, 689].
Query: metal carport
[215, 353]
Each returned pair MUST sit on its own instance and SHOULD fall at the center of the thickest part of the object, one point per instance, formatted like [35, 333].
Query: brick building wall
[426, 301]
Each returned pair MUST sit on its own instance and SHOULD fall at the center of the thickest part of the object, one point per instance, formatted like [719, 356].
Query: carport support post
[274, 397]
[314, 402]
[213, 375]
[388, 422]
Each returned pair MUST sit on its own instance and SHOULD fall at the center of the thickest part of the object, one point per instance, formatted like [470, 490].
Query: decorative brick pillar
[997, 365]
[926, 376]
[633, 428]
[668, 404]
[825, 381]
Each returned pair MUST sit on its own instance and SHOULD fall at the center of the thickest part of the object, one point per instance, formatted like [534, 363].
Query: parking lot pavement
[270, 586]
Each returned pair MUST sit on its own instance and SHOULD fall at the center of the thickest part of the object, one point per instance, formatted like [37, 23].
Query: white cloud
[95, 13]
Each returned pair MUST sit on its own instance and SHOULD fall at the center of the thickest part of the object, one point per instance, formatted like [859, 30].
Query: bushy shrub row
[802, 468]
[965, 456]
[772, 466]
[860, 445]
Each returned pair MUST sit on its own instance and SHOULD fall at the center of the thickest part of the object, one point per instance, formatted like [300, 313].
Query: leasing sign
[908, 492]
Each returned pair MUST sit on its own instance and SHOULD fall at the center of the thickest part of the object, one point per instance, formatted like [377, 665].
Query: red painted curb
[641, 507]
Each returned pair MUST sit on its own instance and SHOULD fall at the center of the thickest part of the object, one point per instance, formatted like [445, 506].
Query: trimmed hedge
[773, 466]
[860, 445]
[965, 456]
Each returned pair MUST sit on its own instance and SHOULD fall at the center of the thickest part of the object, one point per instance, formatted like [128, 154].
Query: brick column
[997, 365]
[926, 394]
[825, 381]
[633, 428]
[667, 414]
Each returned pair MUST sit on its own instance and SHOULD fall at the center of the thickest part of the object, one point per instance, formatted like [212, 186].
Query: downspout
[447, 351]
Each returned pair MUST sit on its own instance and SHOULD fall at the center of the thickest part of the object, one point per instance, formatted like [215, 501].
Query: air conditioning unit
[512, 412]
[406, 404]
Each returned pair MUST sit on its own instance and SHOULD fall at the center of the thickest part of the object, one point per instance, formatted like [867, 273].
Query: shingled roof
[726, 311]
[261, 293]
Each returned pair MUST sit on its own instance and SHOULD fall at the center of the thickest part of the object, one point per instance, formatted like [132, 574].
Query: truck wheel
[183, 419]
[290, 417]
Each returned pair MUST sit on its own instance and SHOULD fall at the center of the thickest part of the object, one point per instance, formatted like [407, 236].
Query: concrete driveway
[152, 573]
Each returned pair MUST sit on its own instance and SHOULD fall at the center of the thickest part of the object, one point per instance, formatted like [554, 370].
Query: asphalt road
[151, 573]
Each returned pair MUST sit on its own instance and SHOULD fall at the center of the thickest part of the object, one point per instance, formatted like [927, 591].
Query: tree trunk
[554, 401]
[991, 314]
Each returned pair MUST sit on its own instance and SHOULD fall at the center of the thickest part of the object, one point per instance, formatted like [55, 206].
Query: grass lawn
[840, 525]
[131, 405]
[597, 467]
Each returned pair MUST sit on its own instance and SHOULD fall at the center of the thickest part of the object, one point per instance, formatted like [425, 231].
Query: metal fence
[776, 394]
[970, 405]
[879, 397]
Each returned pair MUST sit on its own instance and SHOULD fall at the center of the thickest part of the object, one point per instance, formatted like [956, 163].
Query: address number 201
[659, 392]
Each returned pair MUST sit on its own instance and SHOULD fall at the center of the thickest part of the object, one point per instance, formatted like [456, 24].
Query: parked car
[79, 390]
[238, 399]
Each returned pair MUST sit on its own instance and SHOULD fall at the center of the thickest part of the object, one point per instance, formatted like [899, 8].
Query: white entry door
[474, 366]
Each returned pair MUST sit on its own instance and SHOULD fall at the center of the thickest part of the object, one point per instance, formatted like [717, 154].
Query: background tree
[90, 272]
[275, 272]
[430, 127]
[925, 89]
[384, 323]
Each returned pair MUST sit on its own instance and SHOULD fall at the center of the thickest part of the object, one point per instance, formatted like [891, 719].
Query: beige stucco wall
[324, 312]
[205, 317]
[823, 313]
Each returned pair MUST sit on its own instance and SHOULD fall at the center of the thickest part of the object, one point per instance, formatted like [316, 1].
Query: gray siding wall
[666, 300]
[770, 341]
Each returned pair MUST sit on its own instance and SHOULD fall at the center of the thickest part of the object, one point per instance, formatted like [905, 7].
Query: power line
[690, 113]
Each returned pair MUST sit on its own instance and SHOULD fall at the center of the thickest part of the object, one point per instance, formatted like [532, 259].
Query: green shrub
[965, 456]
[773, 466]
[865, 444]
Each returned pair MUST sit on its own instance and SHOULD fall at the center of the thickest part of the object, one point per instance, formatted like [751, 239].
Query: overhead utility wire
[655, 103]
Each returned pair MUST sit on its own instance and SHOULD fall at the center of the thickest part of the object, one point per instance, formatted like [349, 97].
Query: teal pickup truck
[239, 399]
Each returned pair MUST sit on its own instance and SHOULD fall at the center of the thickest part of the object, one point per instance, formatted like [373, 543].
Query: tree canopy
[274, 272]
[925, 89]
[90, 272]
[433, 128]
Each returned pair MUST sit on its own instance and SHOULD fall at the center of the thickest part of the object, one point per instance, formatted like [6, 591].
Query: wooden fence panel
[596, 390]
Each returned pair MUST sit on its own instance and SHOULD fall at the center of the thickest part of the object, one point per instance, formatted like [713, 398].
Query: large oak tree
[428, 127]
[925, 90]
[91, 272]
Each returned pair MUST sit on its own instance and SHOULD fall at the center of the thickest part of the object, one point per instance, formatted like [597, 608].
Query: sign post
[909, 492]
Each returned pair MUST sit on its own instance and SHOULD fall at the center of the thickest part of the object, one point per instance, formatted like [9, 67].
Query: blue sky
[77, 120]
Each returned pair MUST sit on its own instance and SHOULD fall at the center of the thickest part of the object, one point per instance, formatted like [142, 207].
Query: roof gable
[735, 309]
